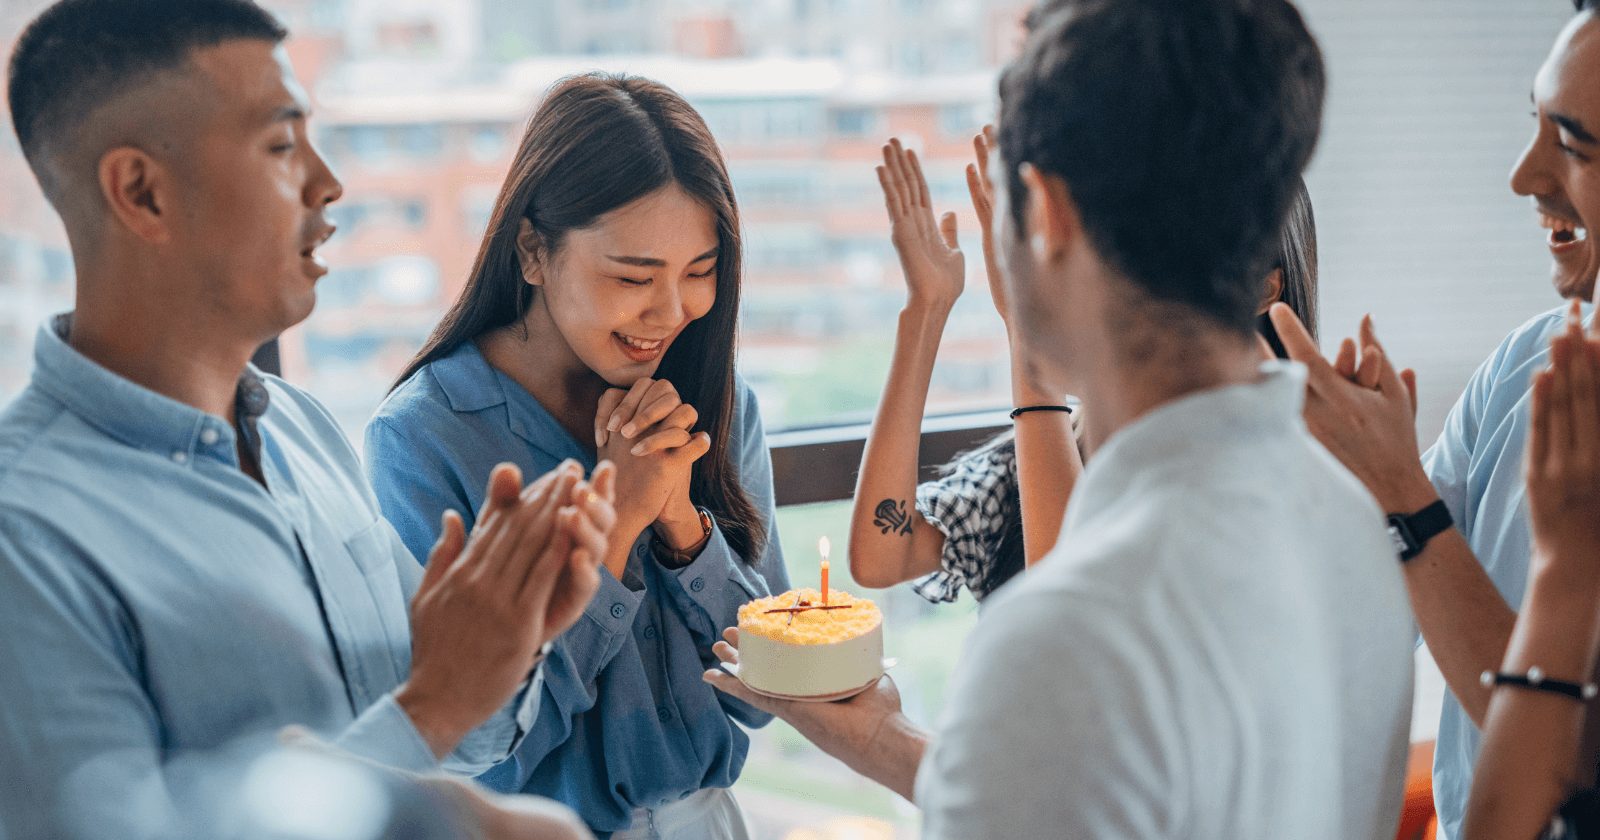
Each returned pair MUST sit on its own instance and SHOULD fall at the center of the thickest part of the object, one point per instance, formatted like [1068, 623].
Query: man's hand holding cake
[806, 646]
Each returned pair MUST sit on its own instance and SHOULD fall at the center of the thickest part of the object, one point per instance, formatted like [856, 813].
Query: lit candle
[822, 546]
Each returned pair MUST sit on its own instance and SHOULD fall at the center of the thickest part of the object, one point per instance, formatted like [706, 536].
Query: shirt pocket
[374, 551]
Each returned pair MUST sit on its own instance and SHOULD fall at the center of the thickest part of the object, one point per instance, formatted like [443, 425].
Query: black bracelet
[1535, 680]
[1027, 408]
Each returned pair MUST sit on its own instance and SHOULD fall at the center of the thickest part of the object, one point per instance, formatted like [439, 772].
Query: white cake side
[810, 670]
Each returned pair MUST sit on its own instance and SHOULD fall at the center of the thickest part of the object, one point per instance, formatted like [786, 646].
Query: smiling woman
[598, 323]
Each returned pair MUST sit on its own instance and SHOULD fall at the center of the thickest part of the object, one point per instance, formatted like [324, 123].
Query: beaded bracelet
[1535, 680]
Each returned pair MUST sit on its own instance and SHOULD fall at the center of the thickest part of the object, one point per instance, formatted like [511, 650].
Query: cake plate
[888, 662]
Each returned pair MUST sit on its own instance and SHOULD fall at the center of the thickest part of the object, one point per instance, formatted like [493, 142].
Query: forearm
[892, 756]
[889, 542]
[1465, 622]
[1532, 740]
[1048, 467]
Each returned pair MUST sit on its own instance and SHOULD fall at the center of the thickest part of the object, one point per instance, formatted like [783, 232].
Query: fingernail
[629, 430]
[638, 449]
[611, 424]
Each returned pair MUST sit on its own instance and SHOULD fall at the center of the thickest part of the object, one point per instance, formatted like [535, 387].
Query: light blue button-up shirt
[626, 721]
[1476, 465]
[157, 605]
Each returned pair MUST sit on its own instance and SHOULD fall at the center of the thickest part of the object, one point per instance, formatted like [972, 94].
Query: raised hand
[1363, 411]
[982, 191]
[934, 266]
[1563, 462]
[484, 606]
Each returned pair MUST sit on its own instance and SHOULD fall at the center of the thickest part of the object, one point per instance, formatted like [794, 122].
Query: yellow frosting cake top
[811, 627]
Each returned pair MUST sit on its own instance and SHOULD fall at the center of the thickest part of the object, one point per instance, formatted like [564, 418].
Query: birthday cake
[795, 645]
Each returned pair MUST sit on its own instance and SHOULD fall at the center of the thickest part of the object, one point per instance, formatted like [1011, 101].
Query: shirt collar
[136, 415]
[470, 383]
[1213, 419]
[466, 378]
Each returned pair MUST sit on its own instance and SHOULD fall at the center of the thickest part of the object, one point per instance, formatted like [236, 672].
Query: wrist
[1028, 384]
[1557, 632]
[926, 315]
[431, 718]
[680, 526]
[897, 745]
[1556, 595]
[1407, 495]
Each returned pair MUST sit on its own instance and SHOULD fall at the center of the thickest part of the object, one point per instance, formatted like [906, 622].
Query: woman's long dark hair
[598, 142]
[1297, 259]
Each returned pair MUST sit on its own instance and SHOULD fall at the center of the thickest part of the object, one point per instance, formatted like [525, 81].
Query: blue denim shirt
[157, 605]
[1476, 465]
[626, 721]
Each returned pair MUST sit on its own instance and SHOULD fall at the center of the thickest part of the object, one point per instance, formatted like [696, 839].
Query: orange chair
[1417, 820]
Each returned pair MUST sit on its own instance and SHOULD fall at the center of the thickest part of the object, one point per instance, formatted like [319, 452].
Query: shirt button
[650, 632]
[618, 610]
[664, 713]
[208, 436]
[641, 550]
[697, 584]
[180, 457]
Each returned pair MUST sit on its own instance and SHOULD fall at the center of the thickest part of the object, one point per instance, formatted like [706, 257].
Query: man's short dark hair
[78, 54]
[1180, 128]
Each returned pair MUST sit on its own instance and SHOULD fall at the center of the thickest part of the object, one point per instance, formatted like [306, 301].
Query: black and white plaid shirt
[971, 505]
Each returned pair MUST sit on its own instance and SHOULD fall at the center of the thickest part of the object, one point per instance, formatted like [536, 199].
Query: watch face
[1399, 540]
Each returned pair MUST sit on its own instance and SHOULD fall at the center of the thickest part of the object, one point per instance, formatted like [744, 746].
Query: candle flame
[822, 547]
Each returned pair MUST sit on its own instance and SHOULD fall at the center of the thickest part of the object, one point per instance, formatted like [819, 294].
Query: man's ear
[1053, 222]
[1273, 292]
[138, 192]
[530, 253]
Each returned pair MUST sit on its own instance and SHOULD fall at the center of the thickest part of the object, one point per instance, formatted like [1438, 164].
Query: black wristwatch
[1411, 533]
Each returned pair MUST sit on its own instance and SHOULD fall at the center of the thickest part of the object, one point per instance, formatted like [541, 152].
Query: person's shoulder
[1532, 338]
[417, 401]
[41, 443]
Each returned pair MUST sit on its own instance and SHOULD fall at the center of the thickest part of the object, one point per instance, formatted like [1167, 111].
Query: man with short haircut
[1465, 580]
[1218, 646]
[189, 554]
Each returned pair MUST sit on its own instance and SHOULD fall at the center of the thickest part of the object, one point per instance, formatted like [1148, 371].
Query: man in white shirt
[1219, 645]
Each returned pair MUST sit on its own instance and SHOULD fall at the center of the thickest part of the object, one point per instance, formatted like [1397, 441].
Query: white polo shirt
[1219, 646]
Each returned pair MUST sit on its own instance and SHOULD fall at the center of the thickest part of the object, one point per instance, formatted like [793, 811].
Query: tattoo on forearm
[891, 517]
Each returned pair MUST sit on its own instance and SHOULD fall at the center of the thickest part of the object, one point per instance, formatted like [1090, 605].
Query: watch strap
[676, 557]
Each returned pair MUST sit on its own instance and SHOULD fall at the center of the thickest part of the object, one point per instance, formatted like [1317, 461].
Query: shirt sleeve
[709, 591]
[1448, 461]
[969, 506]
[1095, 770]
[80, 735]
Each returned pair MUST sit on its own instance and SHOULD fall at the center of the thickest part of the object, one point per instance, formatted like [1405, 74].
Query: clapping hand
[489, 600]
[934, 266]
[1363, 411]
[1563, 461]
